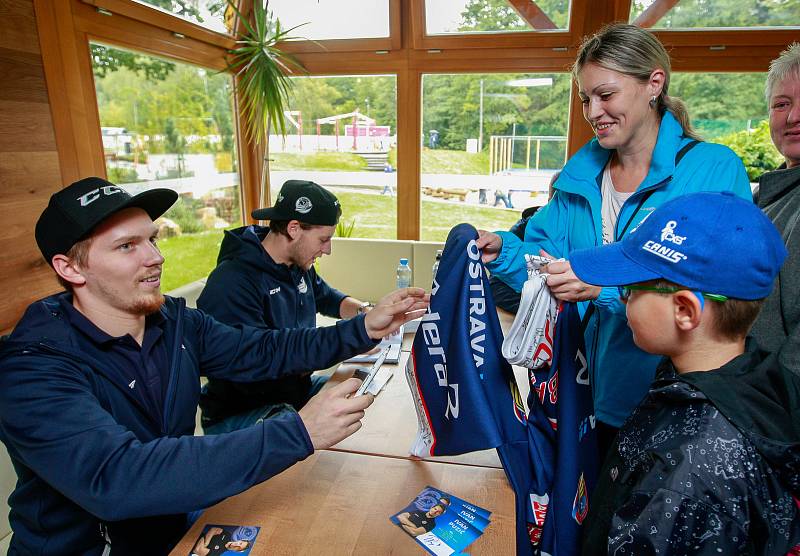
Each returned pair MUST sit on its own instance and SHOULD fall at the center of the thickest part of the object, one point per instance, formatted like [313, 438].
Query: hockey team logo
[303, 205]
[302, 287]
[668, 233]
[580, 506]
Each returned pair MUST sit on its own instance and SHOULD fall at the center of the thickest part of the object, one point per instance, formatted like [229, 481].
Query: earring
[653, 101]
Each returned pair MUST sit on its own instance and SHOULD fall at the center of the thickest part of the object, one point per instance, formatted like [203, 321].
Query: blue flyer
[441, 523]
[230, 540]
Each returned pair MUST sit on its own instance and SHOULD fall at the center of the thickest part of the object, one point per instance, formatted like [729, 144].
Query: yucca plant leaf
[263, 71]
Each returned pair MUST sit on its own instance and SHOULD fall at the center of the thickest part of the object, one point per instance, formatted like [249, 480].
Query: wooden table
[389, 426]
[340, 503]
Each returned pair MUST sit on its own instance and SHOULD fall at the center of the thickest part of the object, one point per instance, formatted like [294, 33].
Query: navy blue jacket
[89, 459]
[249, 287]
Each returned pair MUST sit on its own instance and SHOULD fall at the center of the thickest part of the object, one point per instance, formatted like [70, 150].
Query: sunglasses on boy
[625, 292]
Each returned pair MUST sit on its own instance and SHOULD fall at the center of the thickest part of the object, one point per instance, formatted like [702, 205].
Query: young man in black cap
[265, 277]
[99, 387]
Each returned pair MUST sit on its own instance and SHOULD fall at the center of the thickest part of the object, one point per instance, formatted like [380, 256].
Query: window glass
[689, 14]
[168, 124]
[730, 108]
[342, 134]
[215, 15]
[334, 19]
[444, 17]
[491, 144]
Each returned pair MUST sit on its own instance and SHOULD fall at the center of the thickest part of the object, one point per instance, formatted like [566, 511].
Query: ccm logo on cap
[94, 194]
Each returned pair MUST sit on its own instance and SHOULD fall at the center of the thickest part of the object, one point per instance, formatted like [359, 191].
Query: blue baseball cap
[708, 242]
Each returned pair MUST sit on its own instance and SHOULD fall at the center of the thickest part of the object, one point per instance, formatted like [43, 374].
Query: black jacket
[705, 465]
[249, 287]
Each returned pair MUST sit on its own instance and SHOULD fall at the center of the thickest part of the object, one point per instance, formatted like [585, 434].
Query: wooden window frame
[66, 27]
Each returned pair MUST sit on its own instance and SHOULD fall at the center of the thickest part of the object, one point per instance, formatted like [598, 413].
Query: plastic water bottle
[403, 274]
[436, 262]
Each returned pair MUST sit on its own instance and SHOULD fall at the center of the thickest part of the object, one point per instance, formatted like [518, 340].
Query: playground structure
[360, 126]
[505, 156]
[361, 135]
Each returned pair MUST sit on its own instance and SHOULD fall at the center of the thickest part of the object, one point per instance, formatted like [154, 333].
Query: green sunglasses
[625, 292]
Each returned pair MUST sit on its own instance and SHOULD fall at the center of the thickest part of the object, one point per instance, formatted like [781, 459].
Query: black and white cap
[304, 201]
[76, 210]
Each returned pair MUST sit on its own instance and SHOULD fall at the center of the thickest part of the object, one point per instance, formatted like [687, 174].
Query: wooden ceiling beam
[654, 13]
[532, 14]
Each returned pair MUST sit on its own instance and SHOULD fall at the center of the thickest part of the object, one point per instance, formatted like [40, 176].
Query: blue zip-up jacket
[249, 287]
[620, 373]
[91, 462]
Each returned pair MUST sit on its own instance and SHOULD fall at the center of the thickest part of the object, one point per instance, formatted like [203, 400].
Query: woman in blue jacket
[644, 153]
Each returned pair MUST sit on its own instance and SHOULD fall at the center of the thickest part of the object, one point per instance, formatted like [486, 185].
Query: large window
[342, 134]
[491, 144]
[216, 15]
[444, 17]
[167, 124]
[692, 14]
[334, 19]
[730, 108]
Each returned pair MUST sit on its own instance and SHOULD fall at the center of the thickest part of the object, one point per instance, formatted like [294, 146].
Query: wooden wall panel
[29, 164]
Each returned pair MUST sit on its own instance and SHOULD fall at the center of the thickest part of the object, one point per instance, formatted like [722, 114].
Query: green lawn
[346, 162]
[440, 161]
[188, 258]
[437, 161]
[192, 256]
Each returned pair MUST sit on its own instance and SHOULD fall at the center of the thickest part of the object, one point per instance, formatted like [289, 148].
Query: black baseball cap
[76, 210]
[304, 201]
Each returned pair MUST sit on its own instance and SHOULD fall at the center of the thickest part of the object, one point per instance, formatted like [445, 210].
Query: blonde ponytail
[678, 109]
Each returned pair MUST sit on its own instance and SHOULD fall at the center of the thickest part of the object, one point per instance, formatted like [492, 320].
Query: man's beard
[142, 304]
[147, 305]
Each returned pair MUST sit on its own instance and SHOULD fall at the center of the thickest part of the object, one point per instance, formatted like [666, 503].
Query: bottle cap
[403, 261]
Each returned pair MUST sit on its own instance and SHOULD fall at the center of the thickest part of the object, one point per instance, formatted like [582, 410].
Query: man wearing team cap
[708, 461]
[265, 277]
[99, 387]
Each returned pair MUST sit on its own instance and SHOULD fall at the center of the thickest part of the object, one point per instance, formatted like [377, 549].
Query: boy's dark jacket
[709, 459]
[249, 287]
[89, 459]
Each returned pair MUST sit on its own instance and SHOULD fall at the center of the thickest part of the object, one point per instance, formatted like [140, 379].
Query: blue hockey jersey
[467, 399]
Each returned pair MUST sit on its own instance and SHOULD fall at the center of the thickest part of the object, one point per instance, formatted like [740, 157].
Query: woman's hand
[564, 284]
[490, 245]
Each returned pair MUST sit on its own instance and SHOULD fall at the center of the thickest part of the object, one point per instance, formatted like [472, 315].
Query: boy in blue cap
[709, 460]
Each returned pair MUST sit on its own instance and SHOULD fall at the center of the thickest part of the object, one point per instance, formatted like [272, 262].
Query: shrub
[184, 214]
[122, 175]
[755, 148]
[345, 230]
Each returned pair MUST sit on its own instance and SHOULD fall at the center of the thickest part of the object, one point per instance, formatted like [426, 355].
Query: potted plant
[262, 73]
